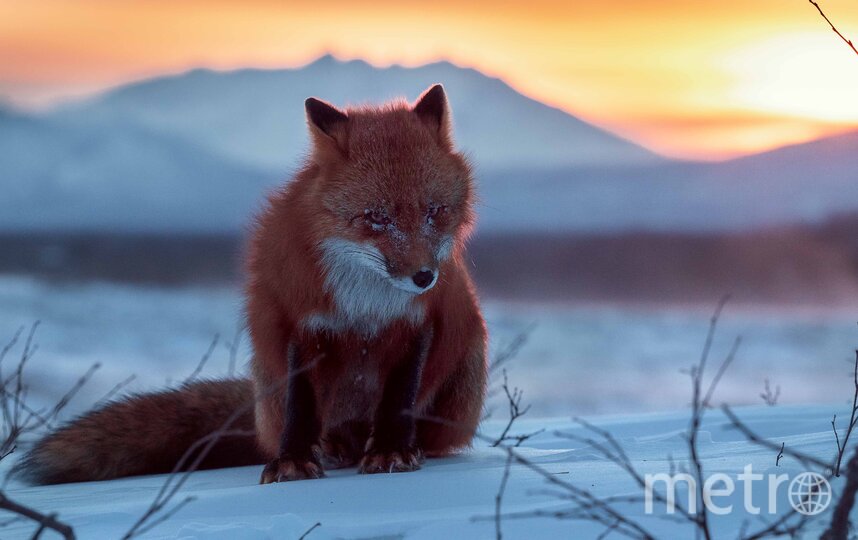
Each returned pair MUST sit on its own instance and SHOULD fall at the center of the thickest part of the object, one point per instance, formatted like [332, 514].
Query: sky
[695, 79]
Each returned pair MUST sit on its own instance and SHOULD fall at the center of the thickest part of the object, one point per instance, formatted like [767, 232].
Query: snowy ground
[449, 497]
[584, 360]
[579, 358]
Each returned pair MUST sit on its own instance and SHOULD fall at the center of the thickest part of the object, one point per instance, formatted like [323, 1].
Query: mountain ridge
[197, 151]
[264, 109]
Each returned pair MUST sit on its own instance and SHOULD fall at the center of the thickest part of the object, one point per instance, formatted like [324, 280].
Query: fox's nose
[423, 278]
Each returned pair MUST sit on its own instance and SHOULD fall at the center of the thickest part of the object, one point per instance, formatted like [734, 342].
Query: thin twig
[118, 387]
[49, 521]
[699, 403]
[499, 496]
[731, 356]
[233, 349]
[770, 398]
[311, 529]
[590, 507]
[515, 412]
[20, 419]
[204, 360]
[853, 419]
[67, 397]
[507, 353]
[840, 525]
[831, 24]
[186, 466]
[613, 451]
[753, 437]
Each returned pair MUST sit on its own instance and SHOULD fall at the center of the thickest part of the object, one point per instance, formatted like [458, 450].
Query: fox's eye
[378, 220]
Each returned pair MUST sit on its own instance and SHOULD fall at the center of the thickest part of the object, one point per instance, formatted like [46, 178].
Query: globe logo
[809, 493]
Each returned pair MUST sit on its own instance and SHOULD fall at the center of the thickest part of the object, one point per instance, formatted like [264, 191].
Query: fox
[368, 341]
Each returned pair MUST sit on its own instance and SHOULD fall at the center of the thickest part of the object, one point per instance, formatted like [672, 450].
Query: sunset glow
[689, 79]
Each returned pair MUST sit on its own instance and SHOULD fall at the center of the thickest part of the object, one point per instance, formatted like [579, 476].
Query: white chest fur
[365, 300]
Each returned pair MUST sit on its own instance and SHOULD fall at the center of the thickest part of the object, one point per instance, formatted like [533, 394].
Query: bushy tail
[148, 434]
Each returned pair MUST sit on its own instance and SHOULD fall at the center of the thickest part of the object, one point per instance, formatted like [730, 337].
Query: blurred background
[637, 160]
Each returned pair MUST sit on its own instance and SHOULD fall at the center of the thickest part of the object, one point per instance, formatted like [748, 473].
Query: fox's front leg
[299, 456]
[391, 447]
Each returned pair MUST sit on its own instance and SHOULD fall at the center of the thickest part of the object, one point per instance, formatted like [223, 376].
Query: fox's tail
[149, 434]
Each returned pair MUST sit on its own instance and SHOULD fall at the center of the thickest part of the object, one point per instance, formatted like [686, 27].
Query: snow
[618, 366]
[450, 498]
[579, 358]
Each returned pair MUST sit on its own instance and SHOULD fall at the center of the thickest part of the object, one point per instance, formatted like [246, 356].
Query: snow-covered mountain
[257, 116]
[803, 183]
[115, 175]
[197, 152]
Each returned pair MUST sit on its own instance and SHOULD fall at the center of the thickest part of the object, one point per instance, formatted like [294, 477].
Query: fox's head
[395, 195]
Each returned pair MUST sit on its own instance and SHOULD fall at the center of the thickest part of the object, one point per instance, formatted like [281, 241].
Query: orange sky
[689, 78]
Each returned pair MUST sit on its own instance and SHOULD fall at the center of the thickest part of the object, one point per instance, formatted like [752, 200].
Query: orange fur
[146, 434]
[391, 157]
[334, 271]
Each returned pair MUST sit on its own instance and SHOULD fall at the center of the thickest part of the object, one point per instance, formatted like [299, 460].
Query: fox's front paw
[284, 470]
[390, 462]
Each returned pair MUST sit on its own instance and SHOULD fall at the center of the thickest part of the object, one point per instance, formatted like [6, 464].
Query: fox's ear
[433, 110]
[326, 120]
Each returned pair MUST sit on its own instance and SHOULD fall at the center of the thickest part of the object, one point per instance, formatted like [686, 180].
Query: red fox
[369, 347]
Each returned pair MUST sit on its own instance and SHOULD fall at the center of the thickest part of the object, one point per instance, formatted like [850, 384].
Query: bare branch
[160, 519]
[20, 419]
[831, 24]
[67, 397]
[710, 338]
[10, 345]
[707, 400]
[780, 527]
[588, 506]
[499, 496]
[515, 412]
[699, 404]
[45, 521]
[233, 349]
[749, 434]
[174, 482]
[194, 456]
[204, 360]
[770, 398]
[118, 387]
[311, 529]
[840, 525]
[853, 419]
[509, 352]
